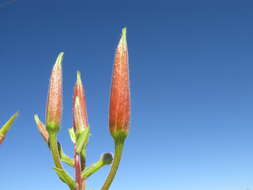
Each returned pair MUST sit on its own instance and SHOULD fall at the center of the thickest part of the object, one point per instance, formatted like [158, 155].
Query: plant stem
[78, 171]
[54, 149]
[63, 175]
[119, 144]
[92, 169]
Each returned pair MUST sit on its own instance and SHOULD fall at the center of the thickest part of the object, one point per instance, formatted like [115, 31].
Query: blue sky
[191, 87]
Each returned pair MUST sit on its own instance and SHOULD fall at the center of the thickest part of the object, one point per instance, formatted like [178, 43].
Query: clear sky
[191, 70]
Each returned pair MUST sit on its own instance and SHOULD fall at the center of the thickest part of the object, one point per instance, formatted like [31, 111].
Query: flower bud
[77, 112]
[107, 158]
[119, 115]
[54, 101]
[80, 118]
[5, 128]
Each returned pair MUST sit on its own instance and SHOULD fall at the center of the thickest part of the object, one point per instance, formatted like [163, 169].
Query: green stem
[54, 149]
[66, 159]
[92, 169]
[63, 175]
[119, 144]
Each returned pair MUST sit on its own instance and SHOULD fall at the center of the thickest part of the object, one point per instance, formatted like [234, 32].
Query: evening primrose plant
[119, 116]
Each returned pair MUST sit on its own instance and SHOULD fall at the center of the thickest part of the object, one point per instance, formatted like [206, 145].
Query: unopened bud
[119, 115]
[80, 118]
[107, 158]
[54, 101]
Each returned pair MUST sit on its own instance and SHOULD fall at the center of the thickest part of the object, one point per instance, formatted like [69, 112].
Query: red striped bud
[54, 101]
[119, 115]
[80, 118]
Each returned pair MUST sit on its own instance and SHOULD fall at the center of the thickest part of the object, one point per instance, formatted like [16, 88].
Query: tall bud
[119, 115]
[80, 117]
[54, 101]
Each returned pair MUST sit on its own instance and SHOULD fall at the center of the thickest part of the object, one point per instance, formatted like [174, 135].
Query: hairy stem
[63, 175]
[119, 144]
[92, 169]
[78, 170]
[54, 149]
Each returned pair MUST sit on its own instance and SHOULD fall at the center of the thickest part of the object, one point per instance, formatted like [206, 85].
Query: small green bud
[107, 158]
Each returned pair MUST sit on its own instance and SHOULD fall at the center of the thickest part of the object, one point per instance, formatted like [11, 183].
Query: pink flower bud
[119, 115]
[80, 118]
[54, 101]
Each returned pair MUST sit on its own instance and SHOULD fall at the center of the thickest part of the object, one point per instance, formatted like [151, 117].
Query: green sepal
[119, 135]
[82, 139]
[65, 178]
[72, 135]
[52, 127]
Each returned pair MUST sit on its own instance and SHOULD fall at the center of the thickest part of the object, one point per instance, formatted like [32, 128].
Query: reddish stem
[78, 171]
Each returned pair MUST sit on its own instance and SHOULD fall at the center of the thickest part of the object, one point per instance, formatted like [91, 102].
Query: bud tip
[124, 31]
[16, 114]
[122, 46]
[59, 59]
[36, 118]
[78, 77]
